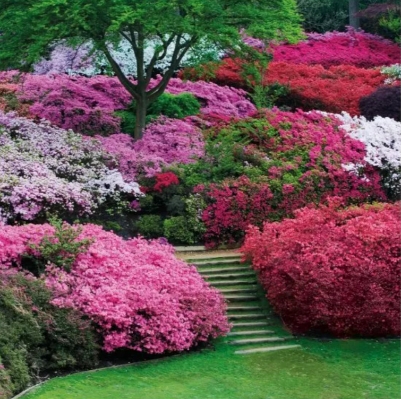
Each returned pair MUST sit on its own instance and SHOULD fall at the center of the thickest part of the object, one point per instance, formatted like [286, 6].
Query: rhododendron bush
[336, 89]
[353, 47]
[332, 271]
[165, 142]
[46, 169]
[88, 105]
[291, 160]
[137, 292]
[382, 139]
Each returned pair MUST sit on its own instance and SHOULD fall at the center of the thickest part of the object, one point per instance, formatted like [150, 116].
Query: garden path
[254, 329]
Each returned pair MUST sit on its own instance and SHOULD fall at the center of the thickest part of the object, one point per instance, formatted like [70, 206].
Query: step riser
[252, 341]
[216, 262]
[228, 276]
[251, 324]
[268, 349]
[247, 316]
[246, 333]
[210, 272]
[235, 282]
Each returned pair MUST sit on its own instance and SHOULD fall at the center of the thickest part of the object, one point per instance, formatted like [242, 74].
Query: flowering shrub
[291, 160]
[47, 169]
[138, 293]
[165, 141]
[89, 105]
[385, 101]
[332, 271]
[382, 140]
[336, 89]
[353, 47]
[164, 180]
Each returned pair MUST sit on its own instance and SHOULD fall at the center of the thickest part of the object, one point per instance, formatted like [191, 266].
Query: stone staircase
[255, 328]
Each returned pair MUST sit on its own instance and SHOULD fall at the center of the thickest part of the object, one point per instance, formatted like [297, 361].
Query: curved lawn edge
[117, 366]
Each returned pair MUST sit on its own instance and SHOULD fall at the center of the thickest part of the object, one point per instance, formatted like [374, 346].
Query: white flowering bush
[45, 169]
[382, 139]
[393, 73]
[84, 61]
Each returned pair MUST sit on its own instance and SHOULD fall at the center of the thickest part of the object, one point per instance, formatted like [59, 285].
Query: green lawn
[338, 369]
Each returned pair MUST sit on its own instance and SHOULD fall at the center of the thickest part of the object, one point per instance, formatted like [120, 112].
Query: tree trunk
[141, 108]
[353, 9]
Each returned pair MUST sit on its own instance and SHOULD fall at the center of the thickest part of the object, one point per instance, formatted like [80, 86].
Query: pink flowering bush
[267, 167]
[88, 105]
[353, 47]
[332, 271]
[138, 293]
[165, 142]
[47, 169]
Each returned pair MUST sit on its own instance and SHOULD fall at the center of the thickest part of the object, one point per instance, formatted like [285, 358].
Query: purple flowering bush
[47, 169]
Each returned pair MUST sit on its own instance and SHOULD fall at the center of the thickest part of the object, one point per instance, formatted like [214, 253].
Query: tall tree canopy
[29, 27]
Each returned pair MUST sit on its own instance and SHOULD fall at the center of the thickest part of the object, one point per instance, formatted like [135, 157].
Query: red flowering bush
[331, 271]
[336, 89]
[353, 47]
[137, 292]
[291, 160]
[164, 180]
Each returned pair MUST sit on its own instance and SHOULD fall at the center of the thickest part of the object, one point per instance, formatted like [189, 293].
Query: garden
[266, 134]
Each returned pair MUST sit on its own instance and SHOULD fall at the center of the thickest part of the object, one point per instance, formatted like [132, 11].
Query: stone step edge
[266, 349]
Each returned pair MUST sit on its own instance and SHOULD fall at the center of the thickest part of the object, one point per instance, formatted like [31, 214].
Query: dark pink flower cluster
[310, 159]
[340, 48]
[138, 293]
[332, 271]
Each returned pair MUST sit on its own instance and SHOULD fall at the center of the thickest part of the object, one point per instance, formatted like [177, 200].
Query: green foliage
[323, 15]
[61, 249]
[173, 106]
[150, 226]
[392, 23]
[37, 336]
[189, 228]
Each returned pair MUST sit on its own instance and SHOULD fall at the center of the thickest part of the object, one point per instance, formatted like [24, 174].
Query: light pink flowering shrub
[138, 293]
[165, 142]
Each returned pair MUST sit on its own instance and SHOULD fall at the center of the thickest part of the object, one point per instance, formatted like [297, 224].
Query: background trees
[30, 26]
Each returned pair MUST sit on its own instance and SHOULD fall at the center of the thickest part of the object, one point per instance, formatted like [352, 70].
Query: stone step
[224, 270]
[266, 349]
[250, 290]
[219, 283]
[228, 276]
[210, 256]
[251, 324]
[247, 341]
[212, 262]
[251, 332]
[243, 308]
[244, 297]
[193, 248]
[247, 316]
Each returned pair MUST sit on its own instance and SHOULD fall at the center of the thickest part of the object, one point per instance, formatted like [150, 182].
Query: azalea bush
[38, 337]
[165, 141]
[277, 163]
[382, 140]
[385, 101]
[352, 47]
[47, 170]
[140, 296]
[332, 271]
[95, 106]
[336, 89]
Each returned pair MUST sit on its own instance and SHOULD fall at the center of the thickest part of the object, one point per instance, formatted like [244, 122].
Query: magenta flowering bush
[88, 105]
[340, 48]
[138, 293]
[165, 142]
[47, 169]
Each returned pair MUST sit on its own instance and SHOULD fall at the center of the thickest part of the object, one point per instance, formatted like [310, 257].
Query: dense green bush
[173, 106]
[37, 336]
[150, 226]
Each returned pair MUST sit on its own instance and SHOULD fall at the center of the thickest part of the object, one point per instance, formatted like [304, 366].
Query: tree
[29, 27]
[353, 13]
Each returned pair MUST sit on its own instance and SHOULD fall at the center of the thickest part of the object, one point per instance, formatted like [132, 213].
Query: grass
[336, 369]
